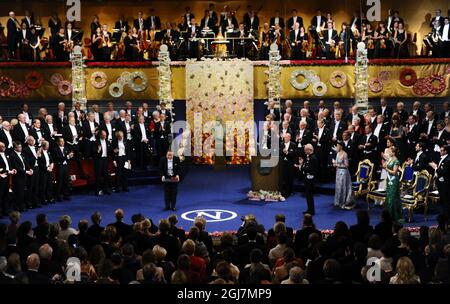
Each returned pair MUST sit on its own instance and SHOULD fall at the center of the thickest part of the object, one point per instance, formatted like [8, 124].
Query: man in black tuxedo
[90, 129]
[46, 167]
[6, 136]
[101, 156]
[445, 111]
[428, 126]
[30, 154]
[412, 134]
[350, 148]
[308, 166]
[60, 117]
[277, 20]
[440, 138]
[28, 20]
[153, 21]
[417, 111]
[163, 110]
[139, 23]
[122, 161]
[338, 126]
[33, 275]
[5, 172]
[368, 145]
[20, 131]
[381, 130]
[141, 137]
[187, 17]
[403, 115]
[322, 141]
[61, 156]
[442, 173]
[438, 17]
[384, 109]
[350, 118]
[169, 167]
[13, 35]
[287, 156]
[192, 36]
[162, 133]
[271, 110]
[330, 38]
[421, 160]
[303, 136]
[120, 26]
[38, 132]
[21, 170]
[294, 19]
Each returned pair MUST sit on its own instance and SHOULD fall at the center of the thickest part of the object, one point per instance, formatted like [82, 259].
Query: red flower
[7, 87]
[34, 80]
[436, 90]
[408, 77]
[421, 86]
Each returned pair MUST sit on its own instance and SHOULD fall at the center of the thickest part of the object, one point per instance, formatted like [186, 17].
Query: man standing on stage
[309, 169]
[169, 167]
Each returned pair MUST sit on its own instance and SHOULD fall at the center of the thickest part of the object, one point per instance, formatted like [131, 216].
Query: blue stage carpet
[203, 189]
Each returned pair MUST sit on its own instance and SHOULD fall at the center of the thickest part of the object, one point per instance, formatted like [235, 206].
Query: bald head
[33, 262]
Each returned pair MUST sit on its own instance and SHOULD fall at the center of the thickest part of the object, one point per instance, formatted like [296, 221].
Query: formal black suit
[101, 157]
[45, 179]
[309, 170]
[156, 20]
[137, 25]
[341, 127]
[421, 163]
[170, 188]
[369, 151]
[36, 132]
[287, 165]
[412, 137]
[18, 134]
[32, 197]
[142, 148]
[103, 127]
[249, 25]
[274, 112]
[443, 184]
[13, 37]
[386, 112]
[162, 132]
[35, 278]
[4, 186]
[121, 171]
[327, 37]
[19, 179]
[351, 147]
[322, 150]
[122, 26]
[314, 22]
[301, 139]
[280, 22]
[290, 23]
[4, 139]
[210, 23]
[384, 131]
[88, 139]
[58, 121]
[60, 157]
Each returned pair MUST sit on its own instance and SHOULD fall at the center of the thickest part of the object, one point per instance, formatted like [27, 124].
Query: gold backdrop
[417, 14]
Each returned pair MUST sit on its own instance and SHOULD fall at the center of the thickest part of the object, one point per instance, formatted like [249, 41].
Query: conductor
[169, 167]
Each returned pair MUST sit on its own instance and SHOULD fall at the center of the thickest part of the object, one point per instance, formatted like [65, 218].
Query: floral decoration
[99, 80]
[408, 77]
[56, 78]
[338, 79]
[116, 89]
[268, 196]
[64, 87]
[319, 89]
[421, 87]
[135, 86]
[384, 76]
[376, 85]
[300, 85]
[34, 80]
[7, 86]
[436, 90]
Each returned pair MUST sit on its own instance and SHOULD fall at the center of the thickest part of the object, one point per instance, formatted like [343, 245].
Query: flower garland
[436, 90]
[421, 86]
[376, 85]
[319, 89]
[22, 90]
[34, 80]
[64, 87]
[116, 89]
[338, 79]
[10, 86]
[384, 76]
[56, 78]
[135, 76]
[268, 196]
[99, 80]
[300, 85]
[408, 77]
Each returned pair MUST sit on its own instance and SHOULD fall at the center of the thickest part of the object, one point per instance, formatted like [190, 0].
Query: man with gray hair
[5, 278]
[296, 276]
[20, 131]
[30, 154]
[5, 136]
[33, 275]
[308, 167]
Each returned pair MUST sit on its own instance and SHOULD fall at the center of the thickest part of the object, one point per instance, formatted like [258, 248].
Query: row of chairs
[417, 188]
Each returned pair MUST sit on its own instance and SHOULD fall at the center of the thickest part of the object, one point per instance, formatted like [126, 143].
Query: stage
[220, 194]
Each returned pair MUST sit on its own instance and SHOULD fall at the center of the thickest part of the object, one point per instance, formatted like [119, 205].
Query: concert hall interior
[241, 142]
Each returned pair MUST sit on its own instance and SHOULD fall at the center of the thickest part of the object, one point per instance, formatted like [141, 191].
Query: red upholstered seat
[74, 174]
[88, 169]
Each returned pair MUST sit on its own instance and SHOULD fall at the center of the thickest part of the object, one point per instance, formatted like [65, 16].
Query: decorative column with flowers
[362, 79]
[78, 78]
[165, 79]
[274, 84]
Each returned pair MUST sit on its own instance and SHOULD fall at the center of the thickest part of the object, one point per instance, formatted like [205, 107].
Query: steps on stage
[144, 177]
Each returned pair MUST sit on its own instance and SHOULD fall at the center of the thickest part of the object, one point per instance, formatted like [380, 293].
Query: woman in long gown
[343, 197]
[393, 203]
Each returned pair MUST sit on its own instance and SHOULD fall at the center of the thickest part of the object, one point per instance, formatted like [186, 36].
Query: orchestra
[139, 38]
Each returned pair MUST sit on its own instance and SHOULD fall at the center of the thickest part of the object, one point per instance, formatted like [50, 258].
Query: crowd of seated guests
[143, 253]
[40, 154]
[421, 135]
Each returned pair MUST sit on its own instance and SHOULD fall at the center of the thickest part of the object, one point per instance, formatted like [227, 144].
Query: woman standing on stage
[343, 197]
[393, 203]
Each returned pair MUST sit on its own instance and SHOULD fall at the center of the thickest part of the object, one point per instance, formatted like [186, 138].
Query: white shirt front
[377, 130]
[277, 20]
[8, 135]
[417, 156]
[430, 125]
[92, 127]
[121, 146]
[50, 127]
[73, 129]
[27, 118]
[39, 134]
[96, 117]
[127, 127]
[445, 36]
[24, 128]
[319, 23]
[336, 127]
[104, 149]
[109, 128]
[21, 159]
[142, 128]
[47, 158]
[170, 167]
[33, 150]
[5, 160]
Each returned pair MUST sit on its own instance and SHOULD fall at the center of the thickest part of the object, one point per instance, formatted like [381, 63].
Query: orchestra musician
[207, 22]
[95, 24]
[60, 47]
[54, 24]
[229, 23]
[187, 18]
[121, 26]
[35, 43]
[140, 24]
[383, 46]
[131, 46]
[277, 36]
[294, 19]
[329, 18]
[14, 29]
[192, 39]
[28, 19]
[299, 40]
[345, 37]
[171, 36]
[399, 40]
[368, 38]
[241, 45]
[25, 50]
[317, 25]
[330, 38]
[252, 22]
[153, 21]
[277, 20]
[264, 41]
[107, 44]
[446, 38]
[3, 44]
[97, 44]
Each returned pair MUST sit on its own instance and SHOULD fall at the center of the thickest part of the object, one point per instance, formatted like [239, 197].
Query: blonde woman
[405, 273]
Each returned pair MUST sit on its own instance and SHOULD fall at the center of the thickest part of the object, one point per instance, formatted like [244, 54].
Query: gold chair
[363, 182]
[407, 177]
[419, 197]
[433, 194]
